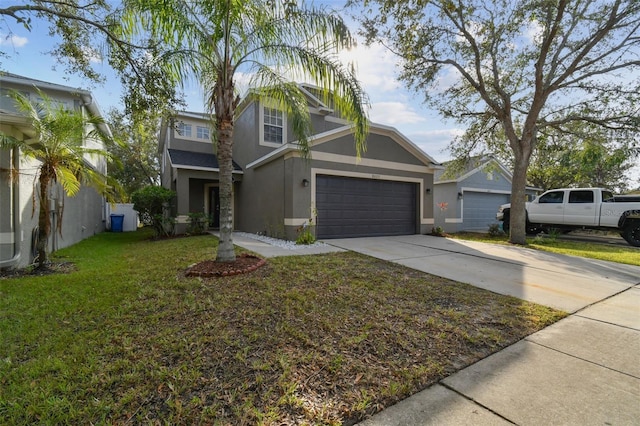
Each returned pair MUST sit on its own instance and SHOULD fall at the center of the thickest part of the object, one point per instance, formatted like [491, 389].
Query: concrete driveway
[564, 282]
[583, 370]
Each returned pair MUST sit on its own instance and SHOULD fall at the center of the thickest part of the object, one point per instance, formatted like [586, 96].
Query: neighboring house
[73, 218]
[468, 199]
[385, 192]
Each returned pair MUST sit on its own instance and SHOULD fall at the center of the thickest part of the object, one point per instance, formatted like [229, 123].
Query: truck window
[552, 198]
[607, 197]
[580, 197]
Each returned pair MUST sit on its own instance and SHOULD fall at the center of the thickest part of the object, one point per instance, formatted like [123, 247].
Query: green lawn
[612, 253]
[125, 338]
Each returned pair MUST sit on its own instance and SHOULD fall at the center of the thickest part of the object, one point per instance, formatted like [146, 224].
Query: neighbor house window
[273, 125]
[202, 132]
[184, 130]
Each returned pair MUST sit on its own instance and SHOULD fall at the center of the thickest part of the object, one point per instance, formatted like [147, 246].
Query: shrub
[495, 230]
[305, 234]
[152, 203]
[198, 223]
[437, 231]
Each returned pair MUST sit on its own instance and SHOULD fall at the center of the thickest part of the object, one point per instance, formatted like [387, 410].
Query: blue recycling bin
[116, 222]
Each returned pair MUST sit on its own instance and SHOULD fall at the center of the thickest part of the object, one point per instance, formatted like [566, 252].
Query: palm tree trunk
[44, 222]
[226, 252]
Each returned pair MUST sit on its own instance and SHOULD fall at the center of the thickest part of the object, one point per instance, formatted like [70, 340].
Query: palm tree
[58, 145]
[273, 42]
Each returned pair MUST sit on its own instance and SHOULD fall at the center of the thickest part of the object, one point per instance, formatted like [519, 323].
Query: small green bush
[153, 203]
[305, 234]
[437, 231]
[495, 230]
[197, 223]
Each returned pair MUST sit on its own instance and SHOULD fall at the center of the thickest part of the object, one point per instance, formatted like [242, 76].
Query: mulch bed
[32, 271]
[243, 264]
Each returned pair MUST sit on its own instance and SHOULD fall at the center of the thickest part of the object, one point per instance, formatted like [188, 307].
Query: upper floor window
[202, 132]
[273, 125]
[184, 130]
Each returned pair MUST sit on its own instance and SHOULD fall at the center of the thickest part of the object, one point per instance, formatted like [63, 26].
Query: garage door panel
[353, 207]
[479, 209]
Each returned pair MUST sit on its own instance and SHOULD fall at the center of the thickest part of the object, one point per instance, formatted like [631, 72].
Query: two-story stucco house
[84, 214]
[387, 191]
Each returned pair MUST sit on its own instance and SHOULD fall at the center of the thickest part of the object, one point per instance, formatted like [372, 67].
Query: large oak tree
[511, 70]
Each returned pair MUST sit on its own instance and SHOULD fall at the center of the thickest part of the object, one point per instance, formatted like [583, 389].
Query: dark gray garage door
[480, 208]
[351, 207]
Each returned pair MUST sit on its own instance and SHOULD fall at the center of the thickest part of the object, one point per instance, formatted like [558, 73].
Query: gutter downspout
[16, 216]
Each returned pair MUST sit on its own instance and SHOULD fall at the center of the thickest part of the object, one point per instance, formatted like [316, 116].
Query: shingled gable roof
[473, 165]
[347, 129]
[87, 98]
[197, 161]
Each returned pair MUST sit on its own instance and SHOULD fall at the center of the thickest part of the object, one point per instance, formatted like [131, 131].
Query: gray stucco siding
[378, 147]
[193, 146]
[320, 124]
[494, 181]
[7, 208]
[190, 185]
[261, 204]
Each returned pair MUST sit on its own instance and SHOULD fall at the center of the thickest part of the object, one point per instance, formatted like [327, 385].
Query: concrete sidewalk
[583, 370]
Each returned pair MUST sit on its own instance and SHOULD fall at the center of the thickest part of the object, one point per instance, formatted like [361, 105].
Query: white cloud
[435, 142]
[534, 32]
[94, 56]
[13, 40]
[376, 67]
[394, 113]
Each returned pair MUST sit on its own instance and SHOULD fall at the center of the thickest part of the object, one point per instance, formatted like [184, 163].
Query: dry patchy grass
[327, 339]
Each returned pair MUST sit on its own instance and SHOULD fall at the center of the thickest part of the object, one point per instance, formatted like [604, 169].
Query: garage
[355, 207]
[480, 208]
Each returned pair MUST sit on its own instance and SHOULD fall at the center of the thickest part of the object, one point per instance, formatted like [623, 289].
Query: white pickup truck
[567, 209]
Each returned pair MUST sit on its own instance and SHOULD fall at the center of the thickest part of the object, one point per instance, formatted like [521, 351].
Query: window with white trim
[202, 132]
[273, 125]
[184, 129]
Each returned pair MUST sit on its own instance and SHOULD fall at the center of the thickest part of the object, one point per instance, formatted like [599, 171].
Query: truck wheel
[506, 223]
[631, 233]
[532, 229]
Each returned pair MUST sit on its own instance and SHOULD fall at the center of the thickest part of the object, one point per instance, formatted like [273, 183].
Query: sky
[392, 104]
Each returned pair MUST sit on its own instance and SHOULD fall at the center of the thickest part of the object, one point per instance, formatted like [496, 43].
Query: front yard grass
[612, 253]
[330, 339]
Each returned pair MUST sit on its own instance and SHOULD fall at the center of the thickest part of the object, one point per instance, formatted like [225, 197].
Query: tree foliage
[513, 70]
[61, 149]
[152, 203]
[134, 160]
[89, 30]
[587, 157]
[271, 42]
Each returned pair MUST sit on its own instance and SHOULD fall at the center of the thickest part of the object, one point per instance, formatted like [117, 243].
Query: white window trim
[180, 135]
[194, 133]
[262, 142]
[208, 129]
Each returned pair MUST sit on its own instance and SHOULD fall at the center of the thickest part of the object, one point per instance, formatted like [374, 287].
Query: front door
[214, 207]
